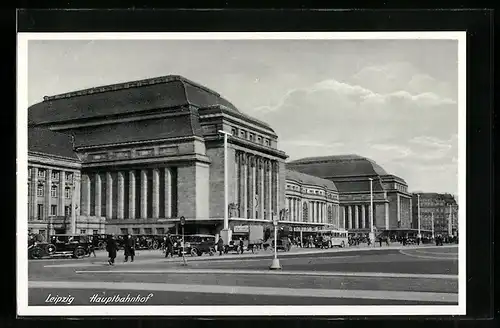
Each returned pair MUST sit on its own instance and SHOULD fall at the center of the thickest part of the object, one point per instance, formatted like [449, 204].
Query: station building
[438, 208]
[351, 176]
[134, 157]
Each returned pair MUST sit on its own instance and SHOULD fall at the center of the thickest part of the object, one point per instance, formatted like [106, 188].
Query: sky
[393, 101]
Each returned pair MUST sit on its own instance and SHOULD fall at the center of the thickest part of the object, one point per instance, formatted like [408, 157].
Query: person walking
[241, 245]
[220, 245]
[92, 245]
[169, 246]
[129, 248]
[387, 241]
[111, 249]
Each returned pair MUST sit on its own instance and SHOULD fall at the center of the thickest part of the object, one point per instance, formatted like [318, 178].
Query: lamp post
[432, 222]
[418, 215]
[225, 233]
[450, 223]
[276, 262]
[372, 233]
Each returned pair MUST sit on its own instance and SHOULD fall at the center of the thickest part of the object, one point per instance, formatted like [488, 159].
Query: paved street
[374, 276]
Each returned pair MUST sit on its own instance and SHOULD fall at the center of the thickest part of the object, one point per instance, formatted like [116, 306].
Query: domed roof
[160, 93]
[337, 166]
[309, 179]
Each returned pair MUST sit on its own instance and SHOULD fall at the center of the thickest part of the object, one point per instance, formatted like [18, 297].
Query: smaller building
[442, 209]
[311, 202]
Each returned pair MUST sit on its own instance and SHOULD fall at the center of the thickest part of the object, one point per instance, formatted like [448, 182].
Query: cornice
[142, 143]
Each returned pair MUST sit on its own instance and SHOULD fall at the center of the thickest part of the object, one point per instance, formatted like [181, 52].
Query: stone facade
[440, 209]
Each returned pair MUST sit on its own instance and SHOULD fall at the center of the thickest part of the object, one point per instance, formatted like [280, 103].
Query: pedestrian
[220, 245]
[169, 246]
[111, 249]
[387, 241]
[241, 245]
[129, 246]
[380, 241]
[92, 245]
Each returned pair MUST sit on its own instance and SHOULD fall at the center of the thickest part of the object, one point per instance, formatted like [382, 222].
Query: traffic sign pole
[276, 263]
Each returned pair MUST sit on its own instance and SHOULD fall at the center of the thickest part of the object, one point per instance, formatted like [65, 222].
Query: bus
[331, 238]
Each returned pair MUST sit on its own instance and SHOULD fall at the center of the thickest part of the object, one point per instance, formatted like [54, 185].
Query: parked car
[76, 246]
[38, 250]
[196, 245]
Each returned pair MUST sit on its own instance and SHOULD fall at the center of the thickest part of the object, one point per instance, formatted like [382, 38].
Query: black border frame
[479, 27]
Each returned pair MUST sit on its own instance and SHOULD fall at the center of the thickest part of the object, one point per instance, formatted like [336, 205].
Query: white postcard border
[23, 309]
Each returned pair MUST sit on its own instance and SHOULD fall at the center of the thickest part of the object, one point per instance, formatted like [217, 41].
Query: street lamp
[372, 234]
[225, 233]
[418, 215]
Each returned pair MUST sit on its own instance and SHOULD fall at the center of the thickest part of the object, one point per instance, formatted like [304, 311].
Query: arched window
[330, 214]
[305, 213]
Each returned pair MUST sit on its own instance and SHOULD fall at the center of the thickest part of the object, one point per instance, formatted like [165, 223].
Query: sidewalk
[294, 251]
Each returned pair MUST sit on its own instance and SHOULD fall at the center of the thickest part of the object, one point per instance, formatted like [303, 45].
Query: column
[62, 193]
[120, 196]
[387, 216]
[254, 187]
[398, 210]
[277, 173]
[349, 217]
[34, 191]
[338, 216]
[97, 195]
[356, 217]
[86, 195]
[144, 194]
[262, 189]
[48, 196]
[237, 199]
[168, 192]
[156, 193]
[311, 211]
[131, 195]
[109, 195]
[363, 217]
[244, 167]
[269, 189]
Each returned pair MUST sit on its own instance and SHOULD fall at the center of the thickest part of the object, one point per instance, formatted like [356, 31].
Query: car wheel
[79, 253]
[194, 252]
[51, 249]
[36, 253]
[155, 245]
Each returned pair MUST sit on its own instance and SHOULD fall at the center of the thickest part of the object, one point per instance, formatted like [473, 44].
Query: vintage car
[76, 246]
[38, 248]
[196, 245]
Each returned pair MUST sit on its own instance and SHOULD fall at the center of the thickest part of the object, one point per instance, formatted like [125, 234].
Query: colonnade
[357, 216]
[317, 211]
[131, 194]
[256, 186]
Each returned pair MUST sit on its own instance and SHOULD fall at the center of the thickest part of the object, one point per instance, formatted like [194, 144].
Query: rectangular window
[53, 191]
[40, 211]
[148, 231]
[83, 231]
[41, 173]
[67, 210]
[67, 193]
[69, 176]
[53, 209]
[124, 231]
[55, 175]
[160, 231]
[136, 231]
[39, 191]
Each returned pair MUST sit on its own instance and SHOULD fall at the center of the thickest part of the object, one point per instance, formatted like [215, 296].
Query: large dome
[160, 93]
[337, 166]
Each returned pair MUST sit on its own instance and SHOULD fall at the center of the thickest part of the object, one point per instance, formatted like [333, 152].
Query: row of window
[54, 191]
[147, 231]
[401, 187]
[311, 191]
[54, 175]
[53, 211]
[243, 134]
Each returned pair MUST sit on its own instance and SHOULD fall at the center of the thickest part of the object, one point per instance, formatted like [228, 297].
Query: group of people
[112, 249]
